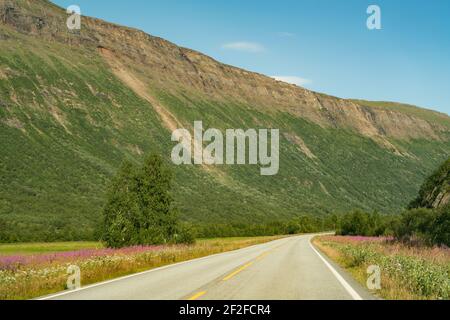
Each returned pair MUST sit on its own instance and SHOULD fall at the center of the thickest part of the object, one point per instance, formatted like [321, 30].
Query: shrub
[358, 223]
[185, 235]
[414, 225]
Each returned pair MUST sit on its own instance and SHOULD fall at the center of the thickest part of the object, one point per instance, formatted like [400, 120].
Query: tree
[158, 220]
[139, 206]
[121, 213]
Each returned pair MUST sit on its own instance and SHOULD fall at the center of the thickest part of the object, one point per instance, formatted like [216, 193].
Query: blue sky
[322, 44]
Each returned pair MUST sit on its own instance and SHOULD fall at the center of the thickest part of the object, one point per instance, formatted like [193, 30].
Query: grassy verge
[45, 247]
[407, 273]
[25, 276]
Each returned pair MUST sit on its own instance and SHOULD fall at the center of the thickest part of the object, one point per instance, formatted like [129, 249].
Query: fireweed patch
[421, 272]
[24, 276]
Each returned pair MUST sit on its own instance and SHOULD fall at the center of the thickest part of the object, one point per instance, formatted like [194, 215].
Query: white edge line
[67, 292]
[344, 283]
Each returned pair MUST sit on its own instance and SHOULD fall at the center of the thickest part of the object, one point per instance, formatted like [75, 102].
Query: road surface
[285, 269]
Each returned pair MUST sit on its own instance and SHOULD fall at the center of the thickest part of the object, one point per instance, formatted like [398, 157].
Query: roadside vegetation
[407, 272]
[25, 276]
[427, 227]
[412, 249]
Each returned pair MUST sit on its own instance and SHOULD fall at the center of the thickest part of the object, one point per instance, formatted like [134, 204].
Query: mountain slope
[73, 105]
[435, 192]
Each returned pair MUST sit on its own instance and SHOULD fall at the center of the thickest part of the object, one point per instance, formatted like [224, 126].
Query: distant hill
[435, 192]
[75, 104]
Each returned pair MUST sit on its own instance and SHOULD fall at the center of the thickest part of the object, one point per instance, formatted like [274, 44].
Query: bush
[431, 227]
[359, 223]
[420, 226]
[414, 225]
[185, 235]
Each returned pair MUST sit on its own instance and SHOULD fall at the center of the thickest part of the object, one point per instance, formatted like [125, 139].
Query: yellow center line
[260, 257]
[231, 275]
[197, 295]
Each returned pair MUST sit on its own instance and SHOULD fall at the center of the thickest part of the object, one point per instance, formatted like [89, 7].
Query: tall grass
[407, 272]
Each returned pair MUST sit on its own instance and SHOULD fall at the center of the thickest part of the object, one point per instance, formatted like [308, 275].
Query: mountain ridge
[320, 108]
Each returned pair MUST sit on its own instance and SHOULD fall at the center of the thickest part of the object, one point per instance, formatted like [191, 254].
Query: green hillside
[71, 112]
[435, 192]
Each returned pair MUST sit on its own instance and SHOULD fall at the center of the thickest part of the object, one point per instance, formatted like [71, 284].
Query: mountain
[75, 104]
[435, 192]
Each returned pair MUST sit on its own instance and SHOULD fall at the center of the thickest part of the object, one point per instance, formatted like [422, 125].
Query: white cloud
[293, 80]
[285, 34]
[244, 46]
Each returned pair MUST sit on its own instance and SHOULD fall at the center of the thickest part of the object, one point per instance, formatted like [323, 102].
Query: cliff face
[75, 104]
[166, 66]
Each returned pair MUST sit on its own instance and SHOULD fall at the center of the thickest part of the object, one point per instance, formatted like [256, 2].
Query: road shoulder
[364, 293]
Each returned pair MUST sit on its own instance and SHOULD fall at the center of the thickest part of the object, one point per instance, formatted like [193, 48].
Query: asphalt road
[285, 269]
